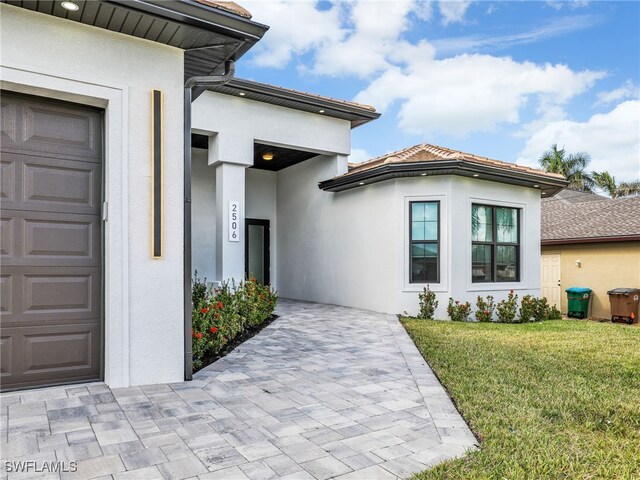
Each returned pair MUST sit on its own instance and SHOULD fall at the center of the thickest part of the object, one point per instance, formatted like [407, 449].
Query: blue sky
[500, 79]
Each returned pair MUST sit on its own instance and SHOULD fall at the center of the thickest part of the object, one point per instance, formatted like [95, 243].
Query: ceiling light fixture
[476, 175]
[320, 111]
[423, 174]
[544, 193]
[72, 7]
[361, 183]
[536, 186]
[242, 94]
[267, 156]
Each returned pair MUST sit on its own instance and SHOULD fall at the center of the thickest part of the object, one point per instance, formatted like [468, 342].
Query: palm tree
[572, 166]
[607, 182]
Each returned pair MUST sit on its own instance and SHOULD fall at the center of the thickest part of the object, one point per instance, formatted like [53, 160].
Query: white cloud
[556, 27]
[289, 35]
[471, 93]
[453, 11]
[573, 4]
[359, 155]
[627, 90]
[612, 139]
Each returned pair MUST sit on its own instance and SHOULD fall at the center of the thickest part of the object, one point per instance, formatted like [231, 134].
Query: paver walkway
[322, 392]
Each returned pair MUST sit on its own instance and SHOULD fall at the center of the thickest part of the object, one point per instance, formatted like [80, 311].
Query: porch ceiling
[282, 157]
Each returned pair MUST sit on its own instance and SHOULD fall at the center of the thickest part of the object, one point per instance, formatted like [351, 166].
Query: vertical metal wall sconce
[157, 200]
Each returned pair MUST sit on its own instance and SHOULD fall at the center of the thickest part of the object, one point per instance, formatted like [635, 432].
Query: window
[424, 244]
[495, 249]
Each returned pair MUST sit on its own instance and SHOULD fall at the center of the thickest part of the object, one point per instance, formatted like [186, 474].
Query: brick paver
[323, 392]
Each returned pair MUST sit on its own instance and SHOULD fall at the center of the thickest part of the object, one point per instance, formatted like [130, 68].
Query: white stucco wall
[261, 200]
[238, 122]
[351, 248]
[203, 212]
[53, 57]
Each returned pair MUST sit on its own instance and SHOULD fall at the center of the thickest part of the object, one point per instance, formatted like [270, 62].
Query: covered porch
[249, 142]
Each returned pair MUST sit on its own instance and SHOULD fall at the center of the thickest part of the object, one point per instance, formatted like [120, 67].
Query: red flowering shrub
[507, 308]
[485, 308]
[458, 312]
[222, 314]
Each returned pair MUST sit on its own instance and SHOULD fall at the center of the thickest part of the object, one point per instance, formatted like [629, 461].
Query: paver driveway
[322, 392]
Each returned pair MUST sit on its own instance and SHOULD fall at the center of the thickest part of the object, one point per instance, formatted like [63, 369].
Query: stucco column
[230, 185]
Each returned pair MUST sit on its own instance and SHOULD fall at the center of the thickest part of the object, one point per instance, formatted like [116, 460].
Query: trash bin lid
[623, 291]
[578, 290]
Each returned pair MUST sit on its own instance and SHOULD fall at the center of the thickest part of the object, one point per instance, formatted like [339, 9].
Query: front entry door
[256, 250]
[551, 278]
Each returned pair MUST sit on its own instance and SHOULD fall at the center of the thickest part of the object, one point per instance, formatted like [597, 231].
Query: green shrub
[507, 308]
[428, 304]
[220, 315]
[458, 312]
[554, 314]
[540, 310]
[485, 309]
[527, 309]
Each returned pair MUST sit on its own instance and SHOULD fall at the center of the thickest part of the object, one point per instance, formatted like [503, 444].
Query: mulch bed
[238, 340]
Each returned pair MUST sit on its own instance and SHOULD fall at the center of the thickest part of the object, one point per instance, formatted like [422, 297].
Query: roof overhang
[305, 102]
[583, 240]
[547, 185]
[209, 36]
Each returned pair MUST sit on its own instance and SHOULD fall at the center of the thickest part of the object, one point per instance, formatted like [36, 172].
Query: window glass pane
[424, 221]
[424, 263]
[417, 231]
[481, 224]
[417, 212]
[506, 263]
[481, 263]
[507, 225]
[431, 212]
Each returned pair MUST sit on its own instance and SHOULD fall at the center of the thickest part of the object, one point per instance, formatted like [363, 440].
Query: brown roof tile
[231, 7]
[581, 215]
[425, 152]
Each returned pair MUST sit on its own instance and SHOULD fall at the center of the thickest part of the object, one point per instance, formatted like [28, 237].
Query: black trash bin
[624, 304]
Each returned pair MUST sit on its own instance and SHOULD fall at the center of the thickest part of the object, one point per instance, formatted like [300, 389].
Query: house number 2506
[234, 221]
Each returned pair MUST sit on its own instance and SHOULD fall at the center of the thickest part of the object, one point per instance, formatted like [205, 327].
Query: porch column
[230, 184]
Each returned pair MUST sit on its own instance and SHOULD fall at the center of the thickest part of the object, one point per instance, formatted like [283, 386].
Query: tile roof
[315, 95]
[582, 215]
[425, 152]
[230, 7]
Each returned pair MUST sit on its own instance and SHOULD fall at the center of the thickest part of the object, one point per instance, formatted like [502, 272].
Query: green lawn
[557, 399]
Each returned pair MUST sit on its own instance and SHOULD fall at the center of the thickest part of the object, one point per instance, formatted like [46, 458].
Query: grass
[557, 399]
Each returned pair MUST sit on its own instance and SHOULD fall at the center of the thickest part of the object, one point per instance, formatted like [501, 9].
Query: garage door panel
[9, 122]
[32, 238]
[7, 181]
[7, 234]
[50, 355]
[58, 186]
[51, 295]
[6, 355]
[51, 128]
[51, 184]
[6, 294]
[50, 242]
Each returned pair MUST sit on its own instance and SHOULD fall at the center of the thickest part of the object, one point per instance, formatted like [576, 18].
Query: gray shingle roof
[585, 216]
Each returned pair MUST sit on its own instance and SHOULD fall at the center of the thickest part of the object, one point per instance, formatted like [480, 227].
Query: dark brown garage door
[50, 242]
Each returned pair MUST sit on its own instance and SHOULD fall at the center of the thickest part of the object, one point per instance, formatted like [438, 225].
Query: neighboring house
[589, 241]
[118, 182]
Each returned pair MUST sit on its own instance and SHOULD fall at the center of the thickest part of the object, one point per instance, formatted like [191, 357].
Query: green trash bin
[579, 302]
